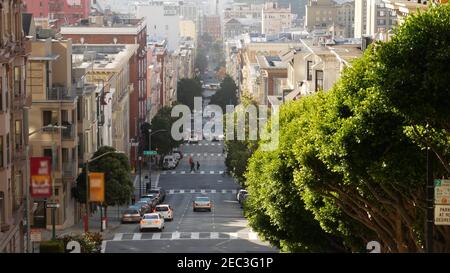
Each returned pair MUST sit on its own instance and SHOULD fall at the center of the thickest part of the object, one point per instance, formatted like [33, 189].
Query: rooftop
[114, 25]
[102, 57]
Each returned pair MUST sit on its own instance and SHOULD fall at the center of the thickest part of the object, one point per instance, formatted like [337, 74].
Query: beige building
[374, 19]
[108, 67]
[329, 16]
[13, 132]
[243, 10]
[188, 29]
[54, 102]
[403, 7]
[275, 19]
[313, 66]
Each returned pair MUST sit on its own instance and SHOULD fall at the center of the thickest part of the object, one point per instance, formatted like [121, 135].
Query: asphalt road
[223, 230]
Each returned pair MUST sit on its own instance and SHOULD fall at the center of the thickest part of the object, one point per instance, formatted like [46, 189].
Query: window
[8, 155]
[309, 70]
[18, 133]
[319, 80]
[2, 208]
[17, 81]
[49, 118]
[1, 93]
[1, 152]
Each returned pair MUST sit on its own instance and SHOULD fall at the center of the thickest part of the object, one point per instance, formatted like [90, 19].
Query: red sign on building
[41, 181]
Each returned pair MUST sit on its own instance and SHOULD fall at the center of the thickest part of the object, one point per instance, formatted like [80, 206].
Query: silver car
[201, 203]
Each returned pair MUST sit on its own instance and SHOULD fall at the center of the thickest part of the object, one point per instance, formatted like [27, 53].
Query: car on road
[151, 199]
[131, 215]
[165, 210]
[201, 203]
[159, 192]
[143, 205]
[240, 194]
[169, 162]
[151, 221]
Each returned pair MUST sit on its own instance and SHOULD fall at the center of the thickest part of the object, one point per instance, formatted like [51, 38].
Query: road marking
[234, 191]
[212, 144]
[224, 191]
[205, 154]
[173, 172]
[185, 155]
[157, 181]
[253, 236]
[212, 154]
[202, 172]
[183, 172]
[221, 172]
[199, 144]
[233, 235]
[175, 235]
[219, 155]
[156, 236]
[181, 191]
[195, 235]
[171, 192]
[137, 236]
[103, 246]
[214, 235]
[192, 191]
[211, 172]
[206, 144]
[199, 155]
[213, 191]
[202, 191]
[164, 172]
[118, 236]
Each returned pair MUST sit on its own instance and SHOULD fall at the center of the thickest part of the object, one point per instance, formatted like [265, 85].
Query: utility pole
[430, 202]
[140, 176]
[150, 159]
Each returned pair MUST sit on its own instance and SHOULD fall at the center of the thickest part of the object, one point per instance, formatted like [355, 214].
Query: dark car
[131, 215]
[160, 193]
[144, 206]
[151, 199]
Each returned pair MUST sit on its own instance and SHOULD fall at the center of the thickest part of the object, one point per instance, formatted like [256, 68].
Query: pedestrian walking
[192, 167]
[198, 166]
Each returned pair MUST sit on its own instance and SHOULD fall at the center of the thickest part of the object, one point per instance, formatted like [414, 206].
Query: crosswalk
[188, 172]
[204, 154]
[184, 191]
[202, 144]
[250, 236]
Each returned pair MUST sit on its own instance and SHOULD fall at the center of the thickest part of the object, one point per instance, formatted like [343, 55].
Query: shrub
[53, 246]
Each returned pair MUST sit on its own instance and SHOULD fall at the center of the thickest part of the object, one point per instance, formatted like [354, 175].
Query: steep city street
[224, 229]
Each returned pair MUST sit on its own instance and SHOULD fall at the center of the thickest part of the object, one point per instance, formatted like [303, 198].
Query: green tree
[201, 62]
[187, 90]
[226, 95]
[118, 184]
[163, 141]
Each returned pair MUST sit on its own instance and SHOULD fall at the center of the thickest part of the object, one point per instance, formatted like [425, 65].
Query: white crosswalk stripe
[213, 191]
[192, 191]
[181, 191]
[171, 192]
[184, 191]
[118, 236]
[250, 236]
[202, 172]
[211, 172]
[183, 172]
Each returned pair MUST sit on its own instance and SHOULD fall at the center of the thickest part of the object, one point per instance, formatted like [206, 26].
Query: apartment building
[374, 19]
[405, 7]
[212, 26]
[108, 67]
[243, 10]
[328, 15]
[54, 102]
[275, 19]
[14, 50]
[116, 30]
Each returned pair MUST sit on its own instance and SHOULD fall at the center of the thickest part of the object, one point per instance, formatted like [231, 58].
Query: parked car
[131, 215]
[169, 162]
[240, 194]
[137, 207]
[244, 198]
[165, 210]
[151, 221]
[160, 193]
[201, 203]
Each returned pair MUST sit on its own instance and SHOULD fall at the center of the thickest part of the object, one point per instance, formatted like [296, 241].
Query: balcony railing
[68, 169]
[59, 93]
[69, 132]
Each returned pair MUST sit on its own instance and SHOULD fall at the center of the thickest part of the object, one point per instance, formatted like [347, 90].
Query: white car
[165, 211]
[169, 162]
[202, 203]
[151, 221]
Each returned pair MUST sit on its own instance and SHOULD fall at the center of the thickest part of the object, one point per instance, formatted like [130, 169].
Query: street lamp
[86, 223]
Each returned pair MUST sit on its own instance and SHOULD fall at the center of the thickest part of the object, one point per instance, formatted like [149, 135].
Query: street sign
[150, 152]
[442, 215]
[441, 192]
[52, 205]
[35, 235]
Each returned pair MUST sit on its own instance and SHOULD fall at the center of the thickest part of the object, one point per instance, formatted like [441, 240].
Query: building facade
[60, 12]
[14, 50]
[124, 31]
[212, 26]
[275, 19]
[54, 102]
[374, 19]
